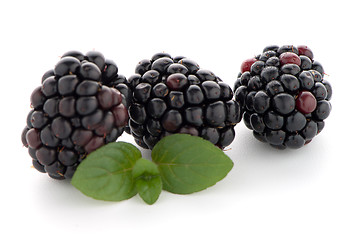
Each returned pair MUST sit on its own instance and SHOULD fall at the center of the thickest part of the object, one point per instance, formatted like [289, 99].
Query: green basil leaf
[147, 180]
[106, 174]
[189, 164]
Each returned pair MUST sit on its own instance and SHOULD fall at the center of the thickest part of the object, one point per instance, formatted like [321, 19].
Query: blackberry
[284, 96]
[173, 95]
[73, 113]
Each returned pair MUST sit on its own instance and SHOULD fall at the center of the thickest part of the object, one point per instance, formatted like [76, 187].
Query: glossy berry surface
[306, 102]
[173, 95]
[284, 96]
[75, 111]
[246, 65]
[289, 58]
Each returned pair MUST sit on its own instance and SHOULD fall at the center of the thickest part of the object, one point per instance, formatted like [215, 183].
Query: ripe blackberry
[173, 95]
[73, 113]
[284, 96]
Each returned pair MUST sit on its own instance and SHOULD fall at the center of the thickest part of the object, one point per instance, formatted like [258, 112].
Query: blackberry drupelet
[173, 95]
[284, 96]
[73, 113]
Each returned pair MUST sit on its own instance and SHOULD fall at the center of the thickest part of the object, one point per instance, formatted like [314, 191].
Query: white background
[311, 193]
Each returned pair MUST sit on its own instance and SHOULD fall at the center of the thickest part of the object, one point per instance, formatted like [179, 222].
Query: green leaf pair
[182, 164]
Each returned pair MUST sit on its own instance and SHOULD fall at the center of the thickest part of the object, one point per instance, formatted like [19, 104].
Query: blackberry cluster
[173, 95]
[74, 113]
[285, 96]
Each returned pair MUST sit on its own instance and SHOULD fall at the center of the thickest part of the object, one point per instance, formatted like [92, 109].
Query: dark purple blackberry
[284, 96]
[111, 78]
[173, 95]
[73, 113]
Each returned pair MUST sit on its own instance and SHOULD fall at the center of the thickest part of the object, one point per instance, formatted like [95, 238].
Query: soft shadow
[62, 192]
[146, 153]
[257, 164]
